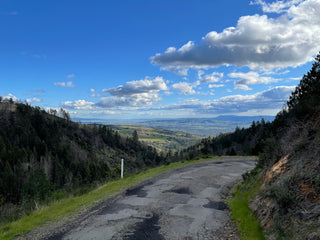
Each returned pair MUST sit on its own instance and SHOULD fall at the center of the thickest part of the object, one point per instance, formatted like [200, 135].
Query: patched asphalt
[182, 204]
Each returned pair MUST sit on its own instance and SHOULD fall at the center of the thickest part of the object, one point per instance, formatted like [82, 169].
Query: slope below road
[184, 203]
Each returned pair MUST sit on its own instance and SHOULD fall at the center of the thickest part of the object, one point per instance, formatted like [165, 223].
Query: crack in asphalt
[184, 203]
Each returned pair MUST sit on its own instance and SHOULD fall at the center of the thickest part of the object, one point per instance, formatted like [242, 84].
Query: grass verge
[248, 226]
[68, 206]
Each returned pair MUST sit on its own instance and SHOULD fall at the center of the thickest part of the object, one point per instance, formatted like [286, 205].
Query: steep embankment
[288, 204]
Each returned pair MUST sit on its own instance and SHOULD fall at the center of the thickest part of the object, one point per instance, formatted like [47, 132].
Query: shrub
[280, 191]
[318, 180]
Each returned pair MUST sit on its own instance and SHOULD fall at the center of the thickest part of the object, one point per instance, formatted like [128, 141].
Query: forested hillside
[288, 204]
[43, 156]
[243, 141]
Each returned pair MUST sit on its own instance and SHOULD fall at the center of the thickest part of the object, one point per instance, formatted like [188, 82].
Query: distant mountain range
[244, 118]
[201, 126]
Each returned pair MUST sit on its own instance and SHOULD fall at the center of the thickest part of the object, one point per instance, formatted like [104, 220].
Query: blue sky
[156, 59]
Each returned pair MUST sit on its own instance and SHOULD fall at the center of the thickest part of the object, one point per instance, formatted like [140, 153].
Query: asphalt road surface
[182, 204]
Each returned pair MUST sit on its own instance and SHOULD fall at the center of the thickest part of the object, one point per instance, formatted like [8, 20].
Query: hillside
[45, 156]
[287, 203]
[161, 139]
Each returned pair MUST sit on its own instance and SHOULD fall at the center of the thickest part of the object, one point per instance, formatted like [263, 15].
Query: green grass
[248, 226]
[158, 138]
[68, 206]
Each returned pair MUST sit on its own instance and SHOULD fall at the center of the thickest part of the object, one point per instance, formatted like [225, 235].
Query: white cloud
[99, 112]
[257, 41]
[33, 100]
[134, 100]
[200, 73]
[215, 85]
[79, 104]
[65, 84]
[134, 94]
[295, 78]
[137, 87]
[276, 7]
[94, 94]
[242, 87]
[71, 75]
[186, 88]
[211, 78]
[273, 99]
[267, 102]
[250, 78]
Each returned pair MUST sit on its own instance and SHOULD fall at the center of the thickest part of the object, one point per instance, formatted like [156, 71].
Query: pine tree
[305, 99]
[135, 136]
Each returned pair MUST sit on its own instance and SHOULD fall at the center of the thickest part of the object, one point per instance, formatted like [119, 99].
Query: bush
[9, 212]
[247, 176]
[318, 180]
[280, 191]
[58, 195]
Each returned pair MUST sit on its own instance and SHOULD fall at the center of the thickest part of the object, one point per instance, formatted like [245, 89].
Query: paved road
[182, 204]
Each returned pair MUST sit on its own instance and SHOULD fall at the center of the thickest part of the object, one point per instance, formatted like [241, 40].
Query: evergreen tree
[135, 136]
[306, 97]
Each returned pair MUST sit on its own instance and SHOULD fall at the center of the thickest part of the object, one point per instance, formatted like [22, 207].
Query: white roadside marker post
[121, 168]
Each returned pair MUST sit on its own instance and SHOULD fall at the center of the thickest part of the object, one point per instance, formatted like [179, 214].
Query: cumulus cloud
[134, 94]
[65, 84]
[93, 93]
[33, 100]
[276, 7]
[257, 41]
[134, 100]
[79, 105]
[185, 88]
[250, 78]
[269, 101]
[137, 87]
[211, 78]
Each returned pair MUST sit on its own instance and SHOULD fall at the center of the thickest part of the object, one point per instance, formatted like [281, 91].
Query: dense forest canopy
[41, 153]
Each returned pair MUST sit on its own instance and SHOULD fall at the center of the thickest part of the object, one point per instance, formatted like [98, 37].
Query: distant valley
[162, 139]
[198, 126]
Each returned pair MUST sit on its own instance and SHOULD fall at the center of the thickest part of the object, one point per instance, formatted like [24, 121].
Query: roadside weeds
[65, 207]
[248, 226]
